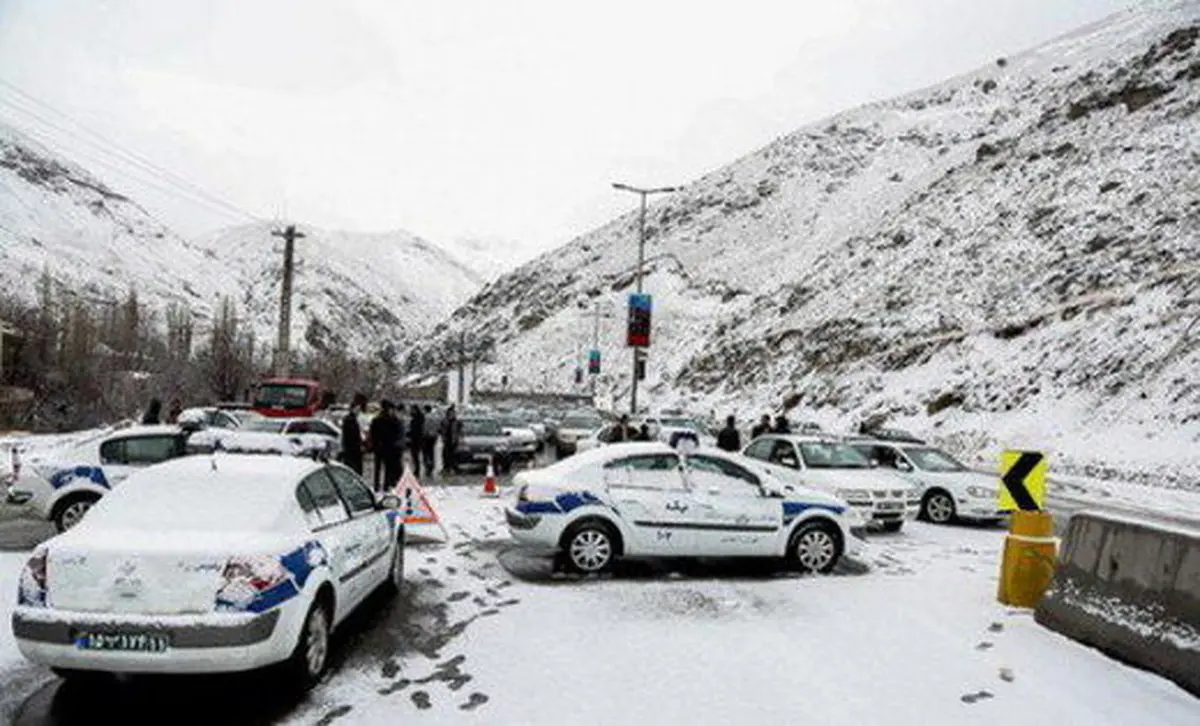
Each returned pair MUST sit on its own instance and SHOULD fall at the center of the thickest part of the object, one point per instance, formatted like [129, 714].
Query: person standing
[781, 425]
[429, 438]
[174, 411]
[451, 431]
[416, 438]
[153, 415]
[762, 428]
[385, 435]
[352, 444]
[728, 439]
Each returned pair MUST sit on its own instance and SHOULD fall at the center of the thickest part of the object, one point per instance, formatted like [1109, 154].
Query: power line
[23, 101]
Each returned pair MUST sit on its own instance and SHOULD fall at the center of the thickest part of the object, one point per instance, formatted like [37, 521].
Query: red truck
[287, 397]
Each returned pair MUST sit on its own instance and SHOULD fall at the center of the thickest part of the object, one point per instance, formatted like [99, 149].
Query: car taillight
[32, 588]
[245, 579]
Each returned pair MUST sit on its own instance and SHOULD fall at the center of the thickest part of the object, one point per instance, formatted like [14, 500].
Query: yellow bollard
[1027, 568]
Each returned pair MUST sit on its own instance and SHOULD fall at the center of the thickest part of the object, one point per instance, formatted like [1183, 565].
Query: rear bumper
[196, 644]
[540, 531]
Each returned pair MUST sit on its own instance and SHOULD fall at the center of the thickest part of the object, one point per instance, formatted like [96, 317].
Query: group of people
[730, 439]
[389, 435]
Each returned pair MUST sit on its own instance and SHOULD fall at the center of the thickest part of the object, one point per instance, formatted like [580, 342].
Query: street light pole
[638, 353]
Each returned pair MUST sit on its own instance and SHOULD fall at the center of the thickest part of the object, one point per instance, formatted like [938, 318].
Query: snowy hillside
[357, 292]
[56, 216]
[352, 291]
[1009, 258]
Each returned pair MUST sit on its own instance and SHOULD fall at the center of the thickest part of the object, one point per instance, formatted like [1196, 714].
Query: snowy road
[484, 635]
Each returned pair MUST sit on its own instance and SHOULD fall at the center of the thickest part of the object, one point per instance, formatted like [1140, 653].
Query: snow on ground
[17, 678]
[919, 638]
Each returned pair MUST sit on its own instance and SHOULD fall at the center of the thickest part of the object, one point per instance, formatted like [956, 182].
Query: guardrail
[1131, 588]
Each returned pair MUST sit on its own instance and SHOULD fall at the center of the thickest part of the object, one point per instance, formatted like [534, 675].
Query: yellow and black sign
[1024, 476]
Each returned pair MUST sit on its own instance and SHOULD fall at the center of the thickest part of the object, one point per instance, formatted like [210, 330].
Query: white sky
[502, 119]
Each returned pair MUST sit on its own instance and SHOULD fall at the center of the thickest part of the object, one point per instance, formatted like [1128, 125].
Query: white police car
[949, 490]
[63, 489]
[217, 563]
[647, 499]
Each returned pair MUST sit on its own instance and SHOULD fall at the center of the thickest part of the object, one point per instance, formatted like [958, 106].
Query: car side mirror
[903, 465]
[389, 501]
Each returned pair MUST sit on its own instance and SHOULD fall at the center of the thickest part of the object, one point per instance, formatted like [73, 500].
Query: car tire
[395, 581]
[70, 510]
[938, 508]
[310, 659]
[815, 547]
[590, 547]
[894, 526]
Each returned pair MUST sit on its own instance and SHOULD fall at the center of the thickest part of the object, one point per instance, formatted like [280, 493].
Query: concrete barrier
[1132, 589]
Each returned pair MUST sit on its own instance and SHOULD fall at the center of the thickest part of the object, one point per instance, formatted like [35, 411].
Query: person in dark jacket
[416, 438]
[153, 415]
[729, 439]
[174, 411]
[352, 449]
[761, 428]
[623, 431]
[429, 438]
[781, 425]
[385, 433]
[451, 433]
[643, 433]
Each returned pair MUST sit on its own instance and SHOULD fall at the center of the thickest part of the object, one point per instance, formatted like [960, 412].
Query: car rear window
[142, 503]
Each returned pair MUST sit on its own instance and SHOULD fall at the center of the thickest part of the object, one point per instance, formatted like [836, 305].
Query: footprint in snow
[996, 628]
[451, 570]
[508, 603]
[457, 596]
[489, 611]
[425, 571]
[984, 646]
[976, 697]
[422, 700]
[1007, 675]
[474, 701]
[480, 602]
[431, 560]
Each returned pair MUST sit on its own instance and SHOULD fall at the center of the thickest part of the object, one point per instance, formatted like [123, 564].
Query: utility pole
[638, 354]
[283, 355]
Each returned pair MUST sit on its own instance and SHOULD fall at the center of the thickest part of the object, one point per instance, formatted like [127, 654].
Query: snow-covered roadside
[918, 639]
[18, 678]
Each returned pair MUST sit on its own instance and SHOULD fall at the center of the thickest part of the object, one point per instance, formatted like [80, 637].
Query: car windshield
[832, 455]
[481, 427]
[278, 395]
[582, 423]
[512, 422]
[930, 459]
[264, 425]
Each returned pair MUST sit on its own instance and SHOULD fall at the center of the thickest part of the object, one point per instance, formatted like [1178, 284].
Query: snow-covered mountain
[487, 257]
[1009, 258]
[355, 292]
[352, 291]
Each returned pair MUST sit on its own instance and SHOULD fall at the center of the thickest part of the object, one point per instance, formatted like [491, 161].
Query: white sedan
[949, 490]
[216, 563]
[647, 499]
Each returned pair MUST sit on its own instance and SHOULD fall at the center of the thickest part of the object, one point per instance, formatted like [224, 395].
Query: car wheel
[591, 548]
[815, 547]
[893, 526]
[311, 657]
[69, 512]
[395, 581]
[938, 508]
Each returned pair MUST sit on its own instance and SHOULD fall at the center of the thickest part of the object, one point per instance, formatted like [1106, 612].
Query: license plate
[126, 642]
[891, 506]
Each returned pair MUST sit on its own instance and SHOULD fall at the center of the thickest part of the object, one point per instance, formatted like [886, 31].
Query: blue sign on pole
[594, 362]
[639, 321]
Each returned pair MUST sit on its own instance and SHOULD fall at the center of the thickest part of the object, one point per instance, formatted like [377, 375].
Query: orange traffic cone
[489, 481]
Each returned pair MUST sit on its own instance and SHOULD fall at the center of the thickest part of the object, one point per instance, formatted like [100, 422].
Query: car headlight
[854, 495]
[982, 492]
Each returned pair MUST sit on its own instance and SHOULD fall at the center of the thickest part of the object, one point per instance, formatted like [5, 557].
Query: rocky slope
[354, 292]
[1009, 258]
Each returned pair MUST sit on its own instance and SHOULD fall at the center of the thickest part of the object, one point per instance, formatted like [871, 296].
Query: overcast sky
[502, 119]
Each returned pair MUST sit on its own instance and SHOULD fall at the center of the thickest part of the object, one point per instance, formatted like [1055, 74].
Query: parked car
[884, 499]
[210, 417]
[482, 440]
[574, 427]
[647, 499]
[293, 426]
[64, 489]
[523, 443]
[949, 490]
[210, 565]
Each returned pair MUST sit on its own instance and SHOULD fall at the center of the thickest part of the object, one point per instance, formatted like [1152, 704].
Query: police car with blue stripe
[216, 563]
[650, 500]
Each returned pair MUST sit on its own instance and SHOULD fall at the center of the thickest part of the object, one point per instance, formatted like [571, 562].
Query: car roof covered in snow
[147, 430]
[222, 492]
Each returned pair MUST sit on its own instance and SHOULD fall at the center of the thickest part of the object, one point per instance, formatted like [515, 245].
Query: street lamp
[643, 193]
